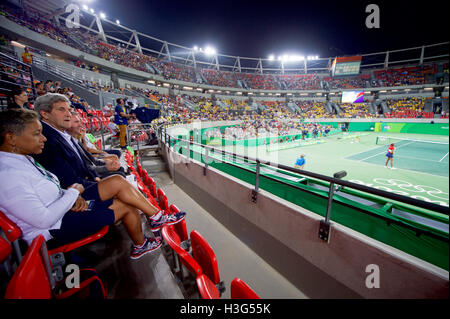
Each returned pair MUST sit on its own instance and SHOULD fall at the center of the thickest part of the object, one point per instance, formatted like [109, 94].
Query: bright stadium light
[195, 48]
[210, 51]
[102, 15]
[92, 10]
[85, 7]
[117, 22]
[271, 57]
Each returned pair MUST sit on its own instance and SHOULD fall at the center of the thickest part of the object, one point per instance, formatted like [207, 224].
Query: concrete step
[153, 164]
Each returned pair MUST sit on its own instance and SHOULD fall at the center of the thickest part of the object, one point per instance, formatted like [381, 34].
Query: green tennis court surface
[415, 155]
[422, 168]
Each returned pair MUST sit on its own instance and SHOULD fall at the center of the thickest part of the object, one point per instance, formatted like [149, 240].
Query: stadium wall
[286, 236]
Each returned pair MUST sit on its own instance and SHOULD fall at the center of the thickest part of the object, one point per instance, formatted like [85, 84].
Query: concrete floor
[151, 277]
[234, 258]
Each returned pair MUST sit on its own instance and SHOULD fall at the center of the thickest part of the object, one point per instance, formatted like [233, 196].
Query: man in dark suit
[59, 155]
[103, 167]
[114, 194]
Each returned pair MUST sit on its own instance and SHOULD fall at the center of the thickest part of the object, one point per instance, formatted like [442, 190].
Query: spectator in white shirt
[34, 200]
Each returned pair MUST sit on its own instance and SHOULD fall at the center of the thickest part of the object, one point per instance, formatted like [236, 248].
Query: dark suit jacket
[60, 158]
[97, 165]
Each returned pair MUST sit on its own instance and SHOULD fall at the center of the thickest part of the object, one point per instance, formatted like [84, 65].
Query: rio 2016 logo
[421, 192]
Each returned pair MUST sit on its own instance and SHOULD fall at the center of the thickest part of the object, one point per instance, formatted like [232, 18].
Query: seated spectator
[37, 202]
[103, 167]
[40, 90]
[91, 148]
[113, 128]
[48, 87]
[17, 98]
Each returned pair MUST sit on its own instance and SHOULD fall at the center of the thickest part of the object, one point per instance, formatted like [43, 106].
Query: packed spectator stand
[118, 54]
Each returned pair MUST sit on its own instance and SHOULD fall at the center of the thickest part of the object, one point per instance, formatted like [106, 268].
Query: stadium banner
[416, 128]
[361, 126]
[346, 65]
[398, 127]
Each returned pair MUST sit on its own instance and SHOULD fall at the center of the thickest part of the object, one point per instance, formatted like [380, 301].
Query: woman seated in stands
[17, 98]
[32, 197]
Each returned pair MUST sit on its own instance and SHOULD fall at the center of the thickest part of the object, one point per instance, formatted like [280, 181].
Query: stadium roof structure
[114, 33]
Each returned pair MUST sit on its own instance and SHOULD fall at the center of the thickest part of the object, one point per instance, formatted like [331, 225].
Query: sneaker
[165, 218]
[148, 246]
[393, 168]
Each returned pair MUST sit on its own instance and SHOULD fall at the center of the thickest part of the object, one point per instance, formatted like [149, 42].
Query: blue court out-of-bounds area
[421, 156]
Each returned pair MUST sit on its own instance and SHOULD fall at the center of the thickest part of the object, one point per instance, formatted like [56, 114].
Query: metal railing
[26, 74]
[167, 139]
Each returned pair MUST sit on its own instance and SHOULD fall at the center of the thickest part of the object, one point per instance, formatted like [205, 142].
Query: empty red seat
[239, 289]
[173, 240]
[162, 199]
[33, 278]
[180, 227]
[13, 232]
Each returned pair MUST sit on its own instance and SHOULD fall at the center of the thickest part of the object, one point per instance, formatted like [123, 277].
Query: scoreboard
[346, 66]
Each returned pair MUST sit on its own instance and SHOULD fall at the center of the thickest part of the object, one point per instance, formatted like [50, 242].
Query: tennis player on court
[390, 156]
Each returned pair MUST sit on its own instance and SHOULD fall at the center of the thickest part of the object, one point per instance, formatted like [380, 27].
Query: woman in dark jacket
[17, 98]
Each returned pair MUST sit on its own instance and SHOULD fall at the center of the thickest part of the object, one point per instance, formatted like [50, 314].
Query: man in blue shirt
[300, 163]
[121, 119]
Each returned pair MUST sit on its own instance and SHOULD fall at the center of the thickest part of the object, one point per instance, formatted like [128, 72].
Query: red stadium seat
[206, 288]
[33, 278]
[240, 290]
[162, 200]
[180, 227]
[205, 257]
[13, 232]
[173, 240]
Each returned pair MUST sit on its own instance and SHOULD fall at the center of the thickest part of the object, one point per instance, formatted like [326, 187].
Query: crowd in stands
[169, 70]
[404, 76]
[407, 108]
[300, 81]
[348, 82]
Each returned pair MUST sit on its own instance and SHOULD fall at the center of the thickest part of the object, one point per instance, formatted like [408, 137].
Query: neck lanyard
[48, 175]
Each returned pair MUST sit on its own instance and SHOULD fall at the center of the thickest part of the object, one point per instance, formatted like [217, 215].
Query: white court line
[401, 169]
[444, 157]
[417, 158]
[383, 152]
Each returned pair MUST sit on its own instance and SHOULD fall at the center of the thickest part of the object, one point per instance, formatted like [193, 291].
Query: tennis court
[422, 168]
[429, 157]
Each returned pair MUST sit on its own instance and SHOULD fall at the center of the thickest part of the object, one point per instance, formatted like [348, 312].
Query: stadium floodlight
[210, 51]
[117, 22]
[271, 57]
[85, 7]
[102, 15]
[195, 48]
[92, 10]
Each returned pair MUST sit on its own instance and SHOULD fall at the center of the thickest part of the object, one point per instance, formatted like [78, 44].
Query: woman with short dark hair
[17, 98]
[32, 197]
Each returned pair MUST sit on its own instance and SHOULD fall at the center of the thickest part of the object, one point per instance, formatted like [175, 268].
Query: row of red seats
[95, 122]
[31, 275]
[193, 252]
[409, 114]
